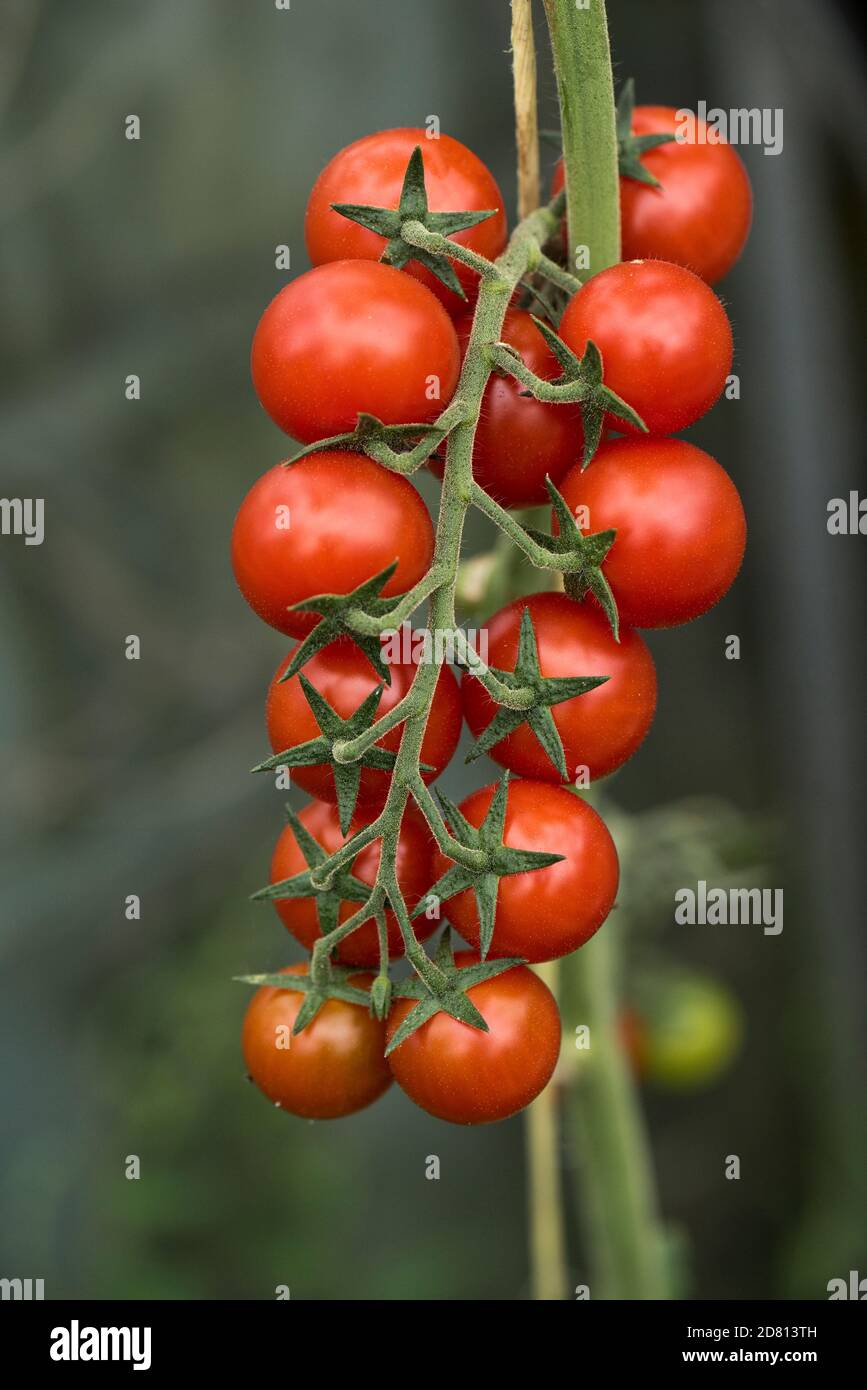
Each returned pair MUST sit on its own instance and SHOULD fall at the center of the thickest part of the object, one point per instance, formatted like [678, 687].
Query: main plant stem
[615, 1177]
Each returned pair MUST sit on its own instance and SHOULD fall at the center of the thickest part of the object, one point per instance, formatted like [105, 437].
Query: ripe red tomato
[600, 729]
[324, 525]
[665, 340]
[348, 337]
[461, 1074]
[545, 913]
[333, 1067]
[681, 530]
[700, 215]
[520, 440]
[370, 172]
[414, 875]
[345, 677]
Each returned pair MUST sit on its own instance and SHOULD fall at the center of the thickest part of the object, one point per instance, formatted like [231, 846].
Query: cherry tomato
[348, 337]
[544, 913]
[345, 677]
[332, 1067]
[600, 729]
[324, 525]
[691, 1031]
[414, 875]
[461, 1074]
[665, 340]
[520, 440]
[370, 172]
[680, 525]
[700, 215]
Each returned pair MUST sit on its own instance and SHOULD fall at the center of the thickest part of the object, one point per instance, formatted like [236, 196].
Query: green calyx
[344, 886]
[338, 617]
[315, 992]
[453, 999]
[631, 147]
[580, 382]
[581, 557]
[347, 776]
[413, 207]
[546, 691]
[501, 861]
[402, 448]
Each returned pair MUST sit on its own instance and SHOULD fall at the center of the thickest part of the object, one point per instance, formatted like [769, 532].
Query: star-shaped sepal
[344, 886]
[402, 448]
[315, 994]
[413, 207]
[454, 1000]
[547, 691]
[588, 390]
[582, 554]
[502, 861]
[333, 729]
[333, 611]
[631, 147]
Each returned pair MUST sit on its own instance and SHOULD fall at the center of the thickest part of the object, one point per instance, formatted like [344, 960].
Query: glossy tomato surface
[681, 530]
[700, 214]
[333, 1067]
[414, 875]
[348, 337]
[665, 340]
[461, 1074]
[600, 729]
[371, 170]
[344, 676]
[549, 912]
[324, 525]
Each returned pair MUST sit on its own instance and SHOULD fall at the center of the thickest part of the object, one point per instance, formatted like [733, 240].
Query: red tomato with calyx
[324, 525]
[348, 337]
[342, 673]
[519, 440]
[332, 1067]
[700, 215]
[544, 913]
[665, 340]
[414, 876]
[371, 171]
[599, 729]
[461, 1074]
[681, 530]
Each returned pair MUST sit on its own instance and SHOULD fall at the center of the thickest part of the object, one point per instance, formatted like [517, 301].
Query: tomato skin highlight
[414, 875]
[324, 525]
[342, 673]
[700, 216]
[665, 339]
[546, 913]
[371, 170]
[333, 1067]
[600, 729]
[681, 530]
[352, 336]
[519, 440]
[468, 1077]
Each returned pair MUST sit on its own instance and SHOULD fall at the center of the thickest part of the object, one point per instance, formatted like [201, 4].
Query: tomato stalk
[615, 1179]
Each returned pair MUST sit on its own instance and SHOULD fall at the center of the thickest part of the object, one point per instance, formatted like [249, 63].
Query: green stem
[585, 87]
[615, 1183]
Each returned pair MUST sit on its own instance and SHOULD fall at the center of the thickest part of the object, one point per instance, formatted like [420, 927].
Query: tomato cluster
[372, 339]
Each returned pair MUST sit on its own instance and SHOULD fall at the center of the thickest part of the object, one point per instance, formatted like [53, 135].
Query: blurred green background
[156, 257]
